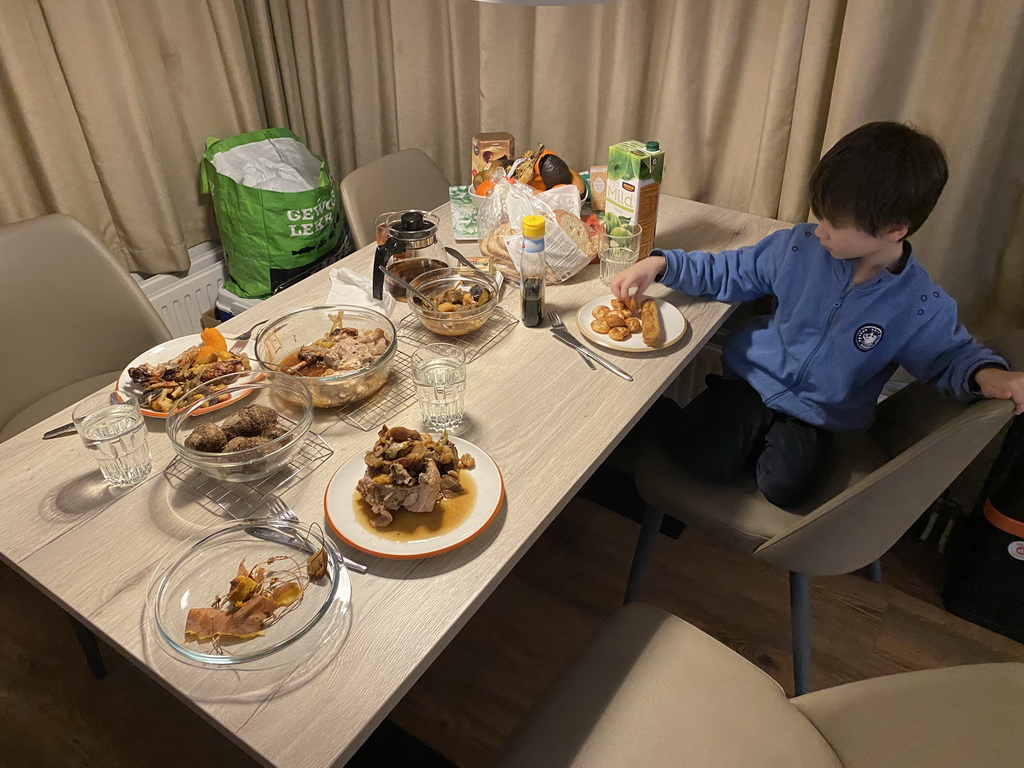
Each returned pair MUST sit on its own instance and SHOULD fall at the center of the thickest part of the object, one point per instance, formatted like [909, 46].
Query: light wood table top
[545, 418]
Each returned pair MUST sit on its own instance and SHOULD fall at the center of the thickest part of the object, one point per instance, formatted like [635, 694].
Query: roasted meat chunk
[410, 471]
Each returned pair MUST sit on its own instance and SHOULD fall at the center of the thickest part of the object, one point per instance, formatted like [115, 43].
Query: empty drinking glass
[439, 377]
[618, 249]
[114, 431]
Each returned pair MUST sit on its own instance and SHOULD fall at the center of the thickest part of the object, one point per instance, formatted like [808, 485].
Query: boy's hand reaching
[640, 275]
[997, 384]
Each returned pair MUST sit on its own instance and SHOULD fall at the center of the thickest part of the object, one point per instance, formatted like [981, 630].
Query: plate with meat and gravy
[413, 495]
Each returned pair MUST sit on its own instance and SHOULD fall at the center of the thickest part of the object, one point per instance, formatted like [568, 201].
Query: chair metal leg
[649, 529]
[800, 627]
[90, 647]
[875, 572]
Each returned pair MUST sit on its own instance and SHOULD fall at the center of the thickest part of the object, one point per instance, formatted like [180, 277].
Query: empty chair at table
[73, 317]
[651, 690]
[400, 181]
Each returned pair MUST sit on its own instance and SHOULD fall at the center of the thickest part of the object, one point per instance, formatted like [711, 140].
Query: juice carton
[635, 170]
[492, 146]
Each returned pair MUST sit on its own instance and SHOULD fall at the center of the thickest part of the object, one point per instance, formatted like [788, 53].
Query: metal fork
[248, 334]
[279, 510]
[561, 333]
[555, 321]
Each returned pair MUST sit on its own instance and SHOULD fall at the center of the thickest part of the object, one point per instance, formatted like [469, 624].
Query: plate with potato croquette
[653, 325]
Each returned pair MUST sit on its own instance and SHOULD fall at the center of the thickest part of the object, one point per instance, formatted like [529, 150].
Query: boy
[852, 304]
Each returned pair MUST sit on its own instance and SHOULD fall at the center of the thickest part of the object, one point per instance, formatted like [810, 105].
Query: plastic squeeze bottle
[532, 270]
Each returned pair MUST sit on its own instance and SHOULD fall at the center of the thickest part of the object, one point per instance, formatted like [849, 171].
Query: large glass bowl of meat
[342, 354]
[257, 433]
[464, 301]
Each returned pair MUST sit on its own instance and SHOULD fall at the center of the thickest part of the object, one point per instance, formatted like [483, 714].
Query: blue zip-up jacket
[829, 348]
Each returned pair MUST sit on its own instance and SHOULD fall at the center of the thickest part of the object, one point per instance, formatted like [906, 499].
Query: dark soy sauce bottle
[532, 270]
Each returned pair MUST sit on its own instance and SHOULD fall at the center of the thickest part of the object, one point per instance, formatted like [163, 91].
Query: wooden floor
[54, 714]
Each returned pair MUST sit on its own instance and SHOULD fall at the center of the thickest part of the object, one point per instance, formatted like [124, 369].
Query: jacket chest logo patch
[867, 337]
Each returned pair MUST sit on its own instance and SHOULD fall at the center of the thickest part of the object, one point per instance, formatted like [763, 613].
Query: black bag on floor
[985, 580]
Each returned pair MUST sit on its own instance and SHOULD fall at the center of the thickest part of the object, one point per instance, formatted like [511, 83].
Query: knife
[64, 429]
[567, 338]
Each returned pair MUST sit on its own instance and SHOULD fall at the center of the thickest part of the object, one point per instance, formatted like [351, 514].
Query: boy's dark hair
[878, 176]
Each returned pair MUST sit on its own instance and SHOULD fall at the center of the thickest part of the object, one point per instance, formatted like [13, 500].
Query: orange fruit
[484, 189]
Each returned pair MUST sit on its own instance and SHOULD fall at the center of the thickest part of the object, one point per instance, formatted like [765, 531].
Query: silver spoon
[414, 291]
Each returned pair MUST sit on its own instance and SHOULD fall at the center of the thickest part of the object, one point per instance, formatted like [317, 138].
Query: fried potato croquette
[653, 332]
[600, 311]
[599, 325]
[634, 325]
[632, 306]
[618, 304]
[614, 321]
[620, 313]
[618, 334]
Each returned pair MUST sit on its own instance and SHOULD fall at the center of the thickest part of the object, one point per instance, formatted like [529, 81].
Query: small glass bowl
[281, 337]
[279, 391]
[203, 567]
[459, 322]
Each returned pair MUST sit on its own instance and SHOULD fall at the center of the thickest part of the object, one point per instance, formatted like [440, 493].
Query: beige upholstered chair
[72, 319]
[402, 180]
[651, 690]
[72, 315]
[879, 484]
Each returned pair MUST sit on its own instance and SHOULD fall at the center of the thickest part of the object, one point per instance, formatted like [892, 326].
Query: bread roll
[574, 227]
[653, 333]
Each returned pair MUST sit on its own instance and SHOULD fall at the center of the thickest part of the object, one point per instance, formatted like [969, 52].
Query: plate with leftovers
[653, 325]
[242, 593]
[169, 370]
[413, 495]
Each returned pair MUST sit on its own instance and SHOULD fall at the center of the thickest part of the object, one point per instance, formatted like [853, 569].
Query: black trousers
[727, 430]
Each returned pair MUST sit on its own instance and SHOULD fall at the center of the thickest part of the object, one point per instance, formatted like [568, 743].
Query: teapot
[410, 249]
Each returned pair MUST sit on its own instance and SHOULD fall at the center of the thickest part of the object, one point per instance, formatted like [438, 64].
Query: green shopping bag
[271, 235]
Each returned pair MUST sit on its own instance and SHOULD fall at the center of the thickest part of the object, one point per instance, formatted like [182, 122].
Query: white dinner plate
[672, 321]
[161, 353]
[340, 511]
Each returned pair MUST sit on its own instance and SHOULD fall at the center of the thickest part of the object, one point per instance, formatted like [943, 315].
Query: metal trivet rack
[394, 396]
[398, 392]
[243, 499]
[497, 327]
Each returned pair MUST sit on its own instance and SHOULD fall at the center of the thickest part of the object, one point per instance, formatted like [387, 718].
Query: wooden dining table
[544, 417]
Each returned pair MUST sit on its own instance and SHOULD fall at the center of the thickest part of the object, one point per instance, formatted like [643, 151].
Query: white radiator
[181, 298]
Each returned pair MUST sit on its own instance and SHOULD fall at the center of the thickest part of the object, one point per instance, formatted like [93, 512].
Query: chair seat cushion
[56, 401]
[651, 689]
[738, 513]
[936, 718]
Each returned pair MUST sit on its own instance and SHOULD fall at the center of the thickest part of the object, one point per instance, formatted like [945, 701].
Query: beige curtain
[106, 106]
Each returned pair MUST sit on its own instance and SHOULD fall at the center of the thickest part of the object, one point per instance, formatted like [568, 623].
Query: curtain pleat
[106, 105]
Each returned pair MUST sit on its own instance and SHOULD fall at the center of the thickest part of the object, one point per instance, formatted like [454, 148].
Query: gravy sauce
[447, 515]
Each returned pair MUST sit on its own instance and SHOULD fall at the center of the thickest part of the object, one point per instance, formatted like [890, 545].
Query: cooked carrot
[213, 338]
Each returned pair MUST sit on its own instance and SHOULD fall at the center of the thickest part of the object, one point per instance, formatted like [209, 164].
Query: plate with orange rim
[451, 524]
[167, 351]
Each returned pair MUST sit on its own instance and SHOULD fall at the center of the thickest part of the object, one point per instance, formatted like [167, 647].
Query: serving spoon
[414, 291]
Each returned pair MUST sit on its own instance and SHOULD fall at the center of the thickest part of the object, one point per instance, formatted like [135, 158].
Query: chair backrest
[859, 525]
[396, 182]
[69, 311]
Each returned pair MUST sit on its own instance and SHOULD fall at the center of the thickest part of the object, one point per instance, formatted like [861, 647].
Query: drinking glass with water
[439, 377]
[113, 430]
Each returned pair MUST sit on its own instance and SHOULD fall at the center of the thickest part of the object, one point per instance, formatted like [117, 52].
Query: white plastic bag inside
[279, 165]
